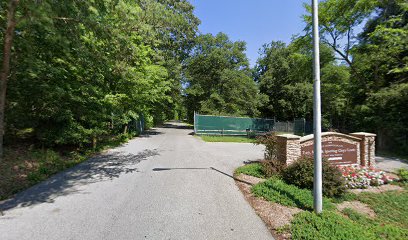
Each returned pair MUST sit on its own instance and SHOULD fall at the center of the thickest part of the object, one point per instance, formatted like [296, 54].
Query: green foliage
[381, 230]
[328, 225]
[403, 174]
[252, 169]
[284, 74]
[87, 69]
[390, 207]
[49, 163]
[276, 190]
[218, 78]
[331, 225]
[300, 173]
[387, 108]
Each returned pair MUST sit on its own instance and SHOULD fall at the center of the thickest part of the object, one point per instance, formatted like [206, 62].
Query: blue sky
[254, 21]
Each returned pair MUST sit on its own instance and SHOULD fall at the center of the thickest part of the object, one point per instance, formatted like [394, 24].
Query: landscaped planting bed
[387, 221]
[364, 177]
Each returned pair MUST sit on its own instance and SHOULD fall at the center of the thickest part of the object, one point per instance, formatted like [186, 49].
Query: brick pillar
[288, 148]
[367, 148]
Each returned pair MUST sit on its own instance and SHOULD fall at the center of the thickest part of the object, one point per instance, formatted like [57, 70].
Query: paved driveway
[166, 185]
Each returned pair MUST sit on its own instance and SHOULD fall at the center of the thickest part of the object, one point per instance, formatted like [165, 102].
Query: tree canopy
[218, 78]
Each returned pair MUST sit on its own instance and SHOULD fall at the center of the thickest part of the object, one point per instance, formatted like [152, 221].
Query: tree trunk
[125, 129]
[5, 68]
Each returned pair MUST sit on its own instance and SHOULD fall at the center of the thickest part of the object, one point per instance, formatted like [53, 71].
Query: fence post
[195, 129]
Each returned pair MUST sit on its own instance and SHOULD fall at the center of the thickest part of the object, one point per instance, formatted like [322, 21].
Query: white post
[317, 129]
[195, 129]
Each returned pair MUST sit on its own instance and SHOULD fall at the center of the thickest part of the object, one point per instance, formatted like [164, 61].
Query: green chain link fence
[226, 125]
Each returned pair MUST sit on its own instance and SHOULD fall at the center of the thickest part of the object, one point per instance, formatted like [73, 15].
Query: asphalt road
[165, 185]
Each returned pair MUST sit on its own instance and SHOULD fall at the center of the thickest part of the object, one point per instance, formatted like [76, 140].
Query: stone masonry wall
[289, 146]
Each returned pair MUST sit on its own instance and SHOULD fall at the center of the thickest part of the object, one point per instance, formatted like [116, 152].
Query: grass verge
[252, 169]
[234, 139]
[276, 190]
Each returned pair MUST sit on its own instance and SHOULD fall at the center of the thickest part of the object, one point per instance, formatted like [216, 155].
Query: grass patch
[24, 165]
[234, 139]
[328, 225]
[390, 207]
[252, 169]
[378, 228]
[276, 190]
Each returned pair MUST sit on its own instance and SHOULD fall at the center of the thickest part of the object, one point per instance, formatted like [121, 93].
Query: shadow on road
[176, 126]
[210, 168]
[100, 168]
[150, 133]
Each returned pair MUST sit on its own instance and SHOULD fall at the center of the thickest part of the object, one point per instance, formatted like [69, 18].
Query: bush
[271, 164]
[403, 174]
[300, 174]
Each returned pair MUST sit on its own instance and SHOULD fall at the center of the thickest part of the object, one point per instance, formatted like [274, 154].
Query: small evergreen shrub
[403, 174]
[300, 174]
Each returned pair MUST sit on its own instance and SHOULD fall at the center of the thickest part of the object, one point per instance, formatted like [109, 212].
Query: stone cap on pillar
[324, 134]
[289, 136]
[363, 134]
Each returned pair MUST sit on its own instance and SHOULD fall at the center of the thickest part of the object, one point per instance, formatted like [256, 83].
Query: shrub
[271, 164]
[272, 168]
[403, 174]
[300, 174]
[363, 177]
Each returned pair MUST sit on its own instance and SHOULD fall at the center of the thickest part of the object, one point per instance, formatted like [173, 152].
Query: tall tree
[337, 21]
[218, 78]
[5, 67]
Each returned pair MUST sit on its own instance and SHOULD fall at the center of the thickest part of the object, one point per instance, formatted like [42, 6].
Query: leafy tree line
[218, 78]
[81, 70]
[364, 75]
[363, 72]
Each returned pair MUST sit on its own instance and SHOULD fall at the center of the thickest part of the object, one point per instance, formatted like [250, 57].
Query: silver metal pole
[317, 126]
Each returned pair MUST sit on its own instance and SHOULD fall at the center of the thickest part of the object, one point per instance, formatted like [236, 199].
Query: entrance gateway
[339, 149]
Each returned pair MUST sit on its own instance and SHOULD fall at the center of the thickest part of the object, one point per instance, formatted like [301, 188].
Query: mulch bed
[275, 216]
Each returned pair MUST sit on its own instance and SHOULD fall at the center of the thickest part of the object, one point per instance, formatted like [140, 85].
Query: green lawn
[234, 139]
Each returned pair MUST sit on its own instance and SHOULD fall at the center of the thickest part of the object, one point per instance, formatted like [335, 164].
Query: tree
[5, 67]
[83, 70]
[337, 21]
[218, 78]
[285, 75]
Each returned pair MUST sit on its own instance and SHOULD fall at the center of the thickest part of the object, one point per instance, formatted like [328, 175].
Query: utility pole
[317, 126]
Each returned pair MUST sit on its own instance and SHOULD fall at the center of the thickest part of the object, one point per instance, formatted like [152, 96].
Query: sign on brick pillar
[367, 148]
[288, 148]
